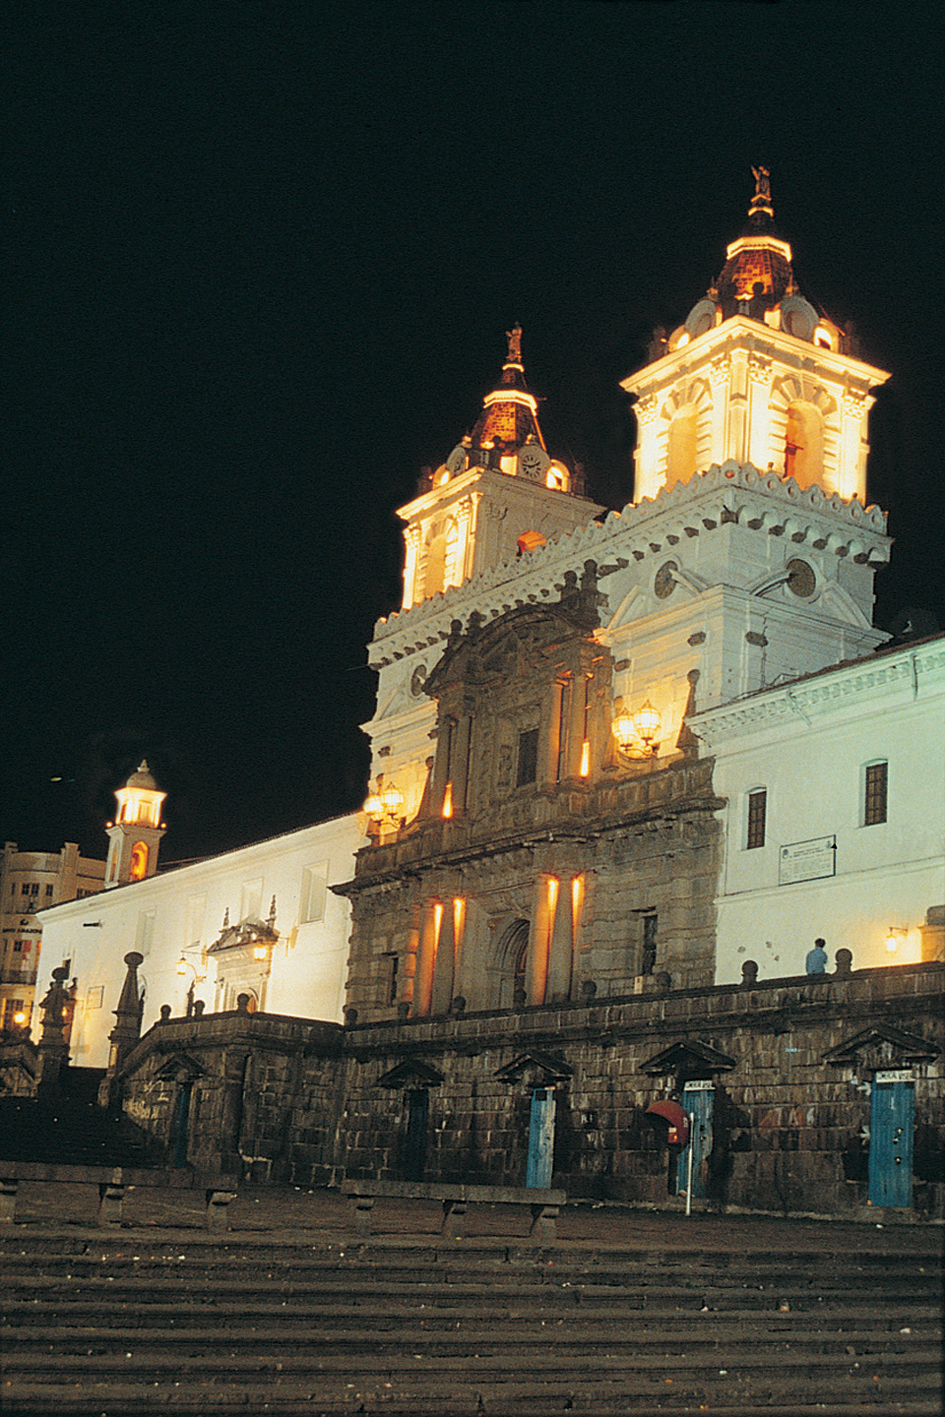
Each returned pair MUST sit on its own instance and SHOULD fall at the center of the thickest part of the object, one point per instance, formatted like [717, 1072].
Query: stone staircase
[100, 1324]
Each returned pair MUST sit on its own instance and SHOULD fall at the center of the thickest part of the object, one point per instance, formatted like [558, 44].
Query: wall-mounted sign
[807, 860]
[699, 1085]
[895, 1075]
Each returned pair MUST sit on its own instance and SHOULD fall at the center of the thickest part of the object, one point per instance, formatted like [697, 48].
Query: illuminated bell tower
[135, 835]
[498, 494]
[755, 375]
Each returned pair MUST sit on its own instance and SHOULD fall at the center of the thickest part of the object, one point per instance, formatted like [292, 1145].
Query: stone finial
[844, 960]
[749, 973]
[242, 1003]
[588, 988]
[165, 1013]
[664, 982]
[199, 1007]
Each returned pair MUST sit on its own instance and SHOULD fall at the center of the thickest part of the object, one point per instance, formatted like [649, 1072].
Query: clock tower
[498, 494]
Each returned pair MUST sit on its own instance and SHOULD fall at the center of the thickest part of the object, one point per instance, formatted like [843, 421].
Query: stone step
[302, 1314]
[564, 1335]
[654, 1296]
[290, 1399]
[130, 1322]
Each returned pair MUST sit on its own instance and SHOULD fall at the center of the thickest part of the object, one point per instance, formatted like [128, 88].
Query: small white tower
[135, 836]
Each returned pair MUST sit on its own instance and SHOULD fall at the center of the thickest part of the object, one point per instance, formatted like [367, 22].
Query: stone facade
[541, 859]
[790, 1066]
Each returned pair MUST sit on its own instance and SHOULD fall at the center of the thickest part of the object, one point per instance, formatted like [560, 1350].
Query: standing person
[816, 961]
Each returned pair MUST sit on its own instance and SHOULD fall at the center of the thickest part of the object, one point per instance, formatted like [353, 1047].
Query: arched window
[681, 446]
[139, 861]
[436, 566]
[512, 959]
[804, 444]
[452, 569]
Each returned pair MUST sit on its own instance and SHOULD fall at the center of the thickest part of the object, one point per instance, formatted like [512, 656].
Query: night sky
[259, 262]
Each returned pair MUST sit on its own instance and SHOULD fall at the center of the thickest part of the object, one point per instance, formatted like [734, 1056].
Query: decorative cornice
[916, 667]
[733, 492]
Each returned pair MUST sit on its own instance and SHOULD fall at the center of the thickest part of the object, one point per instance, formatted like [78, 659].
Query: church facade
[627, 766]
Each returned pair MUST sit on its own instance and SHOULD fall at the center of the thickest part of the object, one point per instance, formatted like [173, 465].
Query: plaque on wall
[807, 860]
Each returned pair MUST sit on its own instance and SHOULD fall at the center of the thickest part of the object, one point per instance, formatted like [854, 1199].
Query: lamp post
[183, 964]
[385, 806]
[636, 734]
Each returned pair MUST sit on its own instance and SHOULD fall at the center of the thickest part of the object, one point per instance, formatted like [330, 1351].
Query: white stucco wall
[182, 910]
[808, 745]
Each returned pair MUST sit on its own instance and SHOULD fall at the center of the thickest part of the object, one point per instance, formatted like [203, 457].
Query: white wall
[808, 744]
[161, 916]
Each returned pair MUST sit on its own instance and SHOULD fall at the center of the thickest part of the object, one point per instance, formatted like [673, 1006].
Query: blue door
[697, 1100]
[541, 1138]
[892, 1124]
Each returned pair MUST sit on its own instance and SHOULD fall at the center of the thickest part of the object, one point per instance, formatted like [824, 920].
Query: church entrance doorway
[698, 1100]
[541, 1138]
[892, 1125]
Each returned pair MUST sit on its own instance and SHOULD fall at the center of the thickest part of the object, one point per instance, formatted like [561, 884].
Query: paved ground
[293, 1213]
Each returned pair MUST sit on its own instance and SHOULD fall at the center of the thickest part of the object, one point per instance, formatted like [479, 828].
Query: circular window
[801, 579]
[665, 579]
[418, 680]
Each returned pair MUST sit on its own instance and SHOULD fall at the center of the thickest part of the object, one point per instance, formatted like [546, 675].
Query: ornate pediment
[411, 1072]
[180, 1067]
[541, 1069]
[689, 1057]
[882, 1046]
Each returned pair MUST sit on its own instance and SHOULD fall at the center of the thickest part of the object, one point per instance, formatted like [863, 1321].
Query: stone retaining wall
[310, 1103]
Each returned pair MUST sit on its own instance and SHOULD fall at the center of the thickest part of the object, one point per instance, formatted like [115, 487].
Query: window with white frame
[875, 793]
[144, 935]
[756, 815]
[251, 900]
[313, 893]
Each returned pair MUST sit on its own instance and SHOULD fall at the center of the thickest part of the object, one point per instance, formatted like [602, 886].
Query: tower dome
[142, 777]
[755, 375]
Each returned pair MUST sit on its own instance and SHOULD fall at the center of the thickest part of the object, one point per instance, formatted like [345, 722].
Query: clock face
[665, 579]
[533, 460]
[456, 461]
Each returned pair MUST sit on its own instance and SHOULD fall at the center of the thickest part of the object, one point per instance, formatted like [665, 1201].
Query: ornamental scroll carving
[646, 408]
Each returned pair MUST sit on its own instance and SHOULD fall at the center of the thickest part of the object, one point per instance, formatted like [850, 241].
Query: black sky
[259, 261]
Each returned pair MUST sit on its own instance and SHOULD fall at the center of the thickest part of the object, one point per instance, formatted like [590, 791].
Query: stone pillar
[125, 1034]
[52, 1048]
[539, 942]
[444, 963]
[426, 958]
[561, 953]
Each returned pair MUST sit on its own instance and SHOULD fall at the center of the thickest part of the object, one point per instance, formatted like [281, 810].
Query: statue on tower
[762, 182]
[514, 337]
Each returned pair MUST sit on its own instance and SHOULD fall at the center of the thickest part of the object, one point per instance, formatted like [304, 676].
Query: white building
[735, 607]
[835, 816]
[259, 921]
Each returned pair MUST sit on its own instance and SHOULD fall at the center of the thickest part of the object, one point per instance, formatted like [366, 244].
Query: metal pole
[689, 1170]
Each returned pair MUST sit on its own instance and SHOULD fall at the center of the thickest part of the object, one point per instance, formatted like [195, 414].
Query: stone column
[125, 1034]
[540, 940]
[444, 963]
[52, 1049]
[426, 959]
[561, 954]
